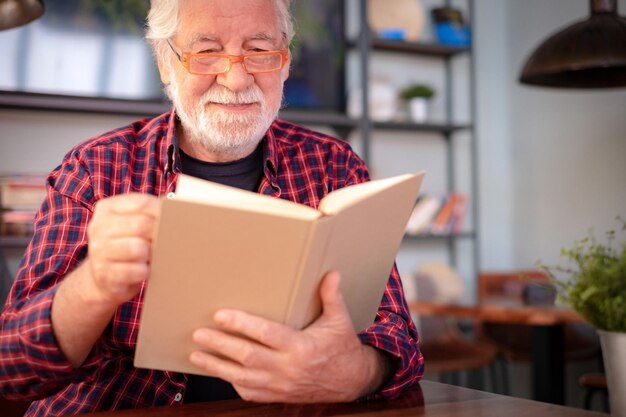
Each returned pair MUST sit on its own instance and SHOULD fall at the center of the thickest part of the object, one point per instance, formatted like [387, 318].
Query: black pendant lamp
[15, 13]
[587, 54]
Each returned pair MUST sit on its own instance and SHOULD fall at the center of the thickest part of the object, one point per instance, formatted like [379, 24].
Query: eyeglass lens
[252, 64]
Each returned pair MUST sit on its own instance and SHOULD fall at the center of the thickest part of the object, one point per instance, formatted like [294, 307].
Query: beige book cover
[221, 247]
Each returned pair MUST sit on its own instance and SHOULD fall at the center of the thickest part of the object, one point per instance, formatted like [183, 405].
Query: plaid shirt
[299, 165]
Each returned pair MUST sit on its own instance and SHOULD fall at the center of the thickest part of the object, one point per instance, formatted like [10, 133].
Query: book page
[197, 190]
[338, 200]
[365, 239]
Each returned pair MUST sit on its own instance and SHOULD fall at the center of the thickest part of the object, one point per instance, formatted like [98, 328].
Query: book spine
[422, 215]
[438, 215]
[442, 222]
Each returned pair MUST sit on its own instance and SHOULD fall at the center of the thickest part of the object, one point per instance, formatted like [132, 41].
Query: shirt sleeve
[31, 362]
[393, 330]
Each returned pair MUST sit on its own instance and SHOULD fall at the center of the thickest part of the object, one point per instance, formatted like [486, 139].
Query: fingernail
[195, 358]
[221, 317]
[201, 335]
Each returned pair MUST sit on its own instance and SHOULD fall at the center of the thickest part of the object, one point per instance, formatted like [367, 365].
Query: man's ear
[164, 70]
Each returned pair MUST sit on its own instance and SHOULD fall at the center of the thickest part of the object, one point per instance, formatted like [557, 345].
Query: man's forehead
[207, 37]
[228, 21]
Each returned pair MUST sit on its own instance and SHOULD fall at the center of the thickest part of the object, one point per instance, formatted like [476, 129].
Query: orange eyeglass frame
[186, 57]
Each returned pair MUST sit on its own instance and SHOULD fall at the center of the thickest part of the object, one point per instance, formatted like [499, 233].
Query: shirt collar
[271, 155]
[171, 139]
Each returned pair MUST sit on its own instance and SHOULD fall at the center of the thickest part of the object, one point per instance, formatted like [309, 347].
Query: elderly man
[69, 328]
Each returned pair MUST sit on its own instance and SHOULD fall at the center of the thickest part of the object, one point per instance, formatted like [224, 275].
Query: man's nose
[237, 78]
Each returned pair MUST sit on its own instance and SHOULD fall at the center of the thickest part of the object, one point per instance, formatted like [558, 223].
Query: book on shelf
[22, 191]
[424, 211]
[20, 198]
[437, 215]
[221, 247]
[17, 223]
[458, 214]
[442, 223]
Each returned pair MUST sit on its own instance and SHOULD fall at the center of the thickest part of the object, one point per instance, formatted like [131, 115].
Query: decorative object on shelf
[382, 101]
[450, 29]
[14, 13]
[400, 19]
[587, 54]
[596, 289]
[418, 97]
[439, 281]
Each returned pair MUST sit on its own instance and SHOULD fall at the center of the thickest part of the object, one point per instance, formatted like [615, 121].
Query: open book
[221, 247]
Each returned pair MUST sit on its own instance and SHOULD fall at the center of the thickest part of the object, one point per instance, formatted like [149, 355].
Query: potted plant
[418, 97]
[595, 287]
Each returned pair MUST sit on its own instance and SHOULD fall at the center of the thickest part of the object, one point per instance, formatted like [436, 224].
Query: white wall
[566, 148]
[493, 66]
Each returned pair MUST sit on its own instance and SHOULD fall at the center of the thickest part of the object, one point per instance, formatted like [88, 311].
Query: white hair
[163, 23]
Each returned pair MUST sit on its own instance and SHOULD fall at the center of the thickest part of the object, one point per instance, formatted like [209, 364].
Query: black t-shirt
[246, 174]
[243, 173]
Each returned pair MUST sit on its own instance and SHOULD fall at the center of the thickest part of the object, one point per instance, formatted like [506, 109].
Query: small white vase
[418, 109]
[614, 354]
[382, 101]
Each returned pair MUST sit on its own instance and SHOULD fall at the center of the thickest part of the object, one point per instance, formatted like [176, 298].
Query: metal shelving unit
[366, 45]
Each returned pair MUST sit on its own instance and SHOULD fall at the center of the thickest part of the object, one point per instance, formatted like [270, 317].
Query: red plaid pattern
[300, 165]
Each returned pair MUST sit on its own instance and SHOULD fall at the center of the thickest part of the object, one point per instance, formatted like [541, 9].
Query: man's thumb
[330, 294]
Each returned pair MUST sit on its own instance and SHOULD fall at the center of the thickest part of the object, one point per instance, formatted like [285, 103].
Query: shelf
[422, 127]
[343, 121]
[132, 107]
[47, 102]
[428, 237]
[418, 48]
[318, 118]
[14, 241]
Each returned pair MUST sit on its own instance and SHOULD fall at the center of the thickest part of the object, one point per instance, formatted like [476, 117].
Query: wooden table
[548, 365]
[500, 312]
[429, 399]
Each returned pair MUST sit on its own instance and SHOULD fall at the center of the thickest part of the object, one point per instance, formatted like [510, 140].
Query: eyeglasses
[212, 64]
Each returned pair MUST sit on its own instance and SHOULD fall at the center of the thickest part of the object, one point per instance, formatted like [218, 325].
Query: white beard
[230, 134]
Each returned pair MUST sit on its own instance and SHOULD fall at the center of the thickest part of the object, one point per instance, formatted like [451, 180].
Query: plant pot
[418, 109]
[614, 354]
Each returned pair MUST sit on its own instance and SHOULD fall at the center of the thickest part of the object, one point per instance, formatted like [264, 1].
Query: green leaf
[594, 283]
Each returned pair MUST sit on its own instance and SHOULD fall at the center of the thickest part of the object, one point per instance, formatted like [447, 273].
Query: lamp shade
[15, 13]
[587, 54]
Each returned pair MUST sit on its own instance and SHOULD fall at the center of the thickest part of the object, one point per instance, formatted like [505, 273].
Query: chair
[513, 341]
[446, 350]
[594, 383]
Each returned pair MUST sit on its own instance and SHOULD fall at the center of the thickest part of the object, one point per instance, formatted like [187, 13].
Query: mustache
[222, 95]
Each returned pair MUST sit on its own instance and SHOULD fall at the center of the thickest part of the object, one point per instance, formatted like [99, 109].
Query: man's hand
[119, 238]
[269, 362]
